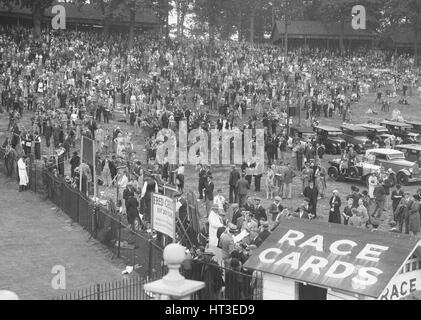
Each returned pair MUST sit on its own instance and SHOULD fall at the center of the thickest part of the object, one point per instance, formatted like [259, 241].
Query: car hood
[402, 162]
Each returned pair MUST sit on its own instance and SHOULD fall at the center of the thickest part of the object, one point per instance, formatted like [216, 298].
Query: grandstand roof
[319, 30]
[87, 13]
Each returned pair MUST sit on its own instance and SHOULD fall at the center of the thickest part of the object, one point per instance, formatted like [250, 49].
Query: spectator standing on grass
[243, 189]
[396, 197]
[209, 187]
[335, 207]
[289, 175]
[380, 198]
[347, 212]
[363, 213]
[355, 220]
[233, 190]
[312, 194]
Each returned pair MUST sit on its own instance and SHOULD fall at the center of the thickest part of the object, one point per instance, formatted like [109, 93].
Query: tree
[406, 13]
[341, 11]
[37, 8]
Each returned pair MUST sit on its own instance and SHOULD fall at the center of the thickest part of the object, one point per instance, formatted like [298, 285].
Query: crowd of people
[79, 83]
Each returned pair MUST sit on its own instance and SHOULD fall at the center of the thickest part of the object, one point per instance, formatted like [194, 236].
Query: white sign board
[163, 214]
[402, 285]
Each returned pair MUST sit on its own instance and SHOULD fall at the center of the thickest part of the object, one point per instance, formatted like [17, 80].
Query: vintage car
[376, 133]
[406, 171]
[330, 139]
[303, 132]
[360, 172]
[357, 136]
[402, 130]
[412, 152]
[416, 125]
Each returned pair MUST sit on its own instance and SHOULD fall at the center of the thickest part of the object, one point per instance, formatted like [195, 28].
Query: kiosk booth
[314, 260]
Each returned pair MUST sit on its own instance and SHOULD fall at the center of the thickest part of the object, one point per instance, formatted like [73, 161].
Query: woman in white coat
[215, 222]
[23, 175]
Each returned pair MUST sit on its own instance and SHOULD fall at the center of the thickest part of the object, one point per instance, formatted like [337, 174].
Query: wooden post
[80, 164]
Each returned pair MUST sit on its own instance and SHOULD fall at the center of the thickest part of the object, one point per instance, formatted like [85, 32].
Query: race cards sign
[333, 256]
[163, 215]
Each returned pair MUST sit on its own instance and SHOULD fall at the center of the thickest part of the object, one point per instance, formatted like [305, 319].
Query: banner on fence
[163, 214]
[87, 150]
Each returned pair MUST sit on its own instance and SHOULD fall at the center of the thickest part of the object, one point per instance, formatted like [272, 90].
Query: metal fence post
[150, 259]
[119, 236]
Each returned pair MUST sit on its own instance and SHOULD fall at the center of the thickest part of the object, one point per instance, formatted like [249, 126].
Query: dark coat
[260, 214]
[131, 207]
[209, 191]
[234, 177]
[242, 186]
[335, 211]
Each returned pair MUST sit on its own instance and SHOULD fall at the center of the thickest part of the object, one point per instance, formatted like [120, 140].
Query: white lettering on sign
[291, 236]
[371, 252]
[315, 241]
[293, 259]
[364, 278]
[334, 247]
[340, 270]
[358, 17]
[59, 20]
[264, 253]
[315, 264]
[402, 285]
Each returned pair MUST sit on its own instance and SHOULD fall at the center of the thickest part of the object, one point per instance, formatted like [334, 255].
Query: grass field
[221, 173]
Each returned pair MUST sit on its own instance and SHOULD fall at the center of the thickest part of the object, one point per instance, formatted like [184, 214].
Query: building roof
[88, 13]
[344, 258]
[319, 30]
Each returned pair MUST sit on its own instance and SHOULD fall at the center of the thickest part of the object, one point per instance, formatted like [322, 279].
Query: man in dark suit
[304, 211]
[233, 191]
[260, 212]
[74, 163]
[202, 180]
[242, 187]
[311, 193]
[209, 186]
[249, 206]
[263, 234]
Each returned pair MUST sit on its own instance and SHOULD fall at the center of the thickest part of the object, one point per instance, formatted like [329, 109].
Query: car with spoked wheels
[357, 136]
[406, 171]
[402, 130]
[376, 133]
[360, 172]
[330, 139]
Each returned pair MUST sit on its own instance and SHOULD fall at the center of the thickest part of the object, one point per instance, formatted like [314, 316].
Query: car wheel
[353, 172]
[333, 173]
[402, 179]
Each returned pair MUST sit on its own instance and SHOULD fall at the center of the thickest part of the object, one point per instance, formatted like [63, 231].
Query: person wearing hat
[74, 163]
[215, 221]
[227, 243]
[335, 208]
[260, 212]
[234, 178]
[306, 176]
[22, 174]
[208, 191]
[264, 233]
[312, 194]
[219, 199]
[380, 200]
[243, 188]
[275, 208]
[303, 211]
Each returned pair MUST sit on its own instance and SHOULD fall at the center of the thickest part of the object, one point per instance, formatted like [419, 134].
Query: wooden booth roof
[318, 30]
[87, 13]
[352, 260]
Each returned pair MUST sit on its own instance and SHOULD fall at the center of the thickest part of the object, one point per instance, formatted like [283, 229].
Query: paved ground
[34, 238]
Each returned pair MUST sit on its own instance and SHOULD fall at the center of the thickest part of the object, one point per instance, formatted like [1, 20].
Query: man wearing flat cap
[260, 212]
[227, 243]
[276, 208]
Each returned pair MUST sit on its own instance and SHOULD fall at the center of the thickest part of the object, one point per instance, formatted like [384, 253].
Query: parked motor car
[412, 152]
[330, 139]
[303, 132]
[376, 133]
[406, 171]
[357, 136]
[360, 172]
[416, 125]
[402, 130]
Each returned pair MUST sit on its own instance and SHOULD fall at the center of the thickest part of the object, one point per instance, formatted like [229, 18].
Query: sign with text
[333, 256]
[402, 285]
[163, 214]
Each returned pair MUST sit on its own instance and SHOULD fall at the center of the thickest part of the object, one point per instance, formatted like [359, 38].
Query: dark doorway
[309, 292]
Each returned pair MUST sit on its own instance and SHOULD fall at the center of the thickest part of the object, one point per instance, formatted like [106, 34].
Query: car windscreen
[394, 156]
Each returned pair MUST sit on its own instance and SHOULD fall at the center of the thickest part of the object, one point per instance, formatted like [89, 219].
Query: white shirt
[219, 200]
[215, 222]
